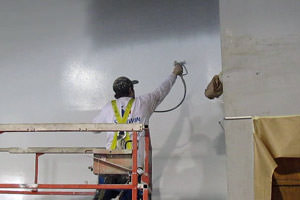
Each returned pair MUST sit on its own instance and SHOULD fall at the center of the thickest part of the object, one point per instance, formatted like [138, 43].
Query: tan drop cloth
[274, 137]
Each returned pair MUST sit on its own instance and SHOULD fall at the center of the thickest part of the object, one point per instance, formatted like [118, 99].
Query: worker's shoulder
[144, 98]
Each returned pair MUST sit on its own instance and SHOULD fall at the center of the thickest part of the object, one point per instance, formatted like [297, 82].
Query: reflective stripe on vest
[121, 120]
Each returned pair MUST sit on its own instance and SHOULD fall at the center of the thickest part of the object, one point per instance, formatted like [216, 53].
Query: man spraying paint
[127, 108]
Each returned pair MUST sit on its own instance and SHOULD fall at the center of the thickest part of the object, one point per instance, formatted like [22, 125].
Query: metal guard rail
[34, 189]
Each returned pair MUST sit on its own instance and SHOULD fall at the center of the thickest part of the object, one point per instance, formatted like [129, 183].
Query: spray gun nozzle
[179, 63]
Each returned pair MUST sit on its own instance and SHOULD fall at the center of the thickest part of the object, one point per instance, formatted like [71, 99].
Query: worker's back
[141, 110]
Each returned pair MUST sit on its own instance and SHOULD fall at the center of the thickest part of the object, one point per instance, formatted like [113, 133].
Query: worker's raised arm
[158, 95]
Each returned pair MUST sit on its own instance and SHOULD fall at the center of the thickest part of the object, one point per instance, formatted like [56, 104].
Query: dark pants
[109, 194]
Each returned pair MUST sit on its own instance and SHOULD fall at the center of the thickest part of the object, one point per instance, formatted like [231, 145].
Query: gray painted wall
[260, 60]
[58, 59]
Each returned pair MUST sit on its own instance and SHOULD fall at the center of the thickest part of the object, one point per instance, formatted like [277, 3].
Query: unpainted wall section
[260, 61]
[58, 60]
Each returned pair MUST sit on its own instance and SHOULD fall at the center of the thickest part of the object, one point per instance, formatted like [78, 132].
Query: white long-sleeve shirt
[141, 110]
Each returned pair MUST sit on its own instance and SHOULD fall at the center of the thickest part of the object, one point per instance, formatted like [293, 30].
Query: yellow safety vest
[121, 120]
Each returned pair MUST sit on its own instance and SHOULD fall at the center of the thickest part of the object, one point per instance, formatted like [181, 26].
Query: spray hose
[184, 86]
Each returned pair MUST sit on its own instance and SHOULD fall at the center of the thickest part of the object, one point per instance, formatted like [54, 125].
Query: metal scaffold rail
[70, 127]
[51, 150]
[102, 159]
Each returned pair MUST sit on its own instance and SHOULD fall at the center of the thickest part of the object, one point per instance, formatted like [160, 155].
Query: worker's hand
[178, 70]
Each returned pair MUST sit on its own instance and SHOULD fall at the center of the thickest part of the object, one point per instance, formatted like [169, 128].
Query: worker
[130, 109]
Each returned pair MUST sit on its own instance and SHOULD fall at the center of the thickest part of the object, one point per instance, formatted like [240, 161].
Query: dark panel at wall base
[286, 179]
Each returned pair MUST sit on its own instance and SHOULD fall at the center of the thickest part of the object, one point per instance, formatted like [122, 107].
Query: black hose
[184, 94]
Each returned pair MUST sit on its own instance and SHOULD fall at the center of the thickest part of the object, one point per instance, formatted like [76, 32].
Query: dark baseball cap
[122, 84]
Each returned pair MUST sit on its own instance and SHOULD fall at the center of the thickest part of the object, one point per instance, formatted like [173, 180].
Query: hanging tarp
[274, 138]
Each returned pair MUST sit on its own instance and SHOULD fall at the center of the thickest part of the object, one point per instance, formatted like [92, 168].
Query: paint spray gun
[182, 64]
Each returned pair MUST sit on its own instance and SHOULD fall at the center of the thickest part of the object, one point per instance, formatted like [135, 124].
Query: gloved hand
[178, 70]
